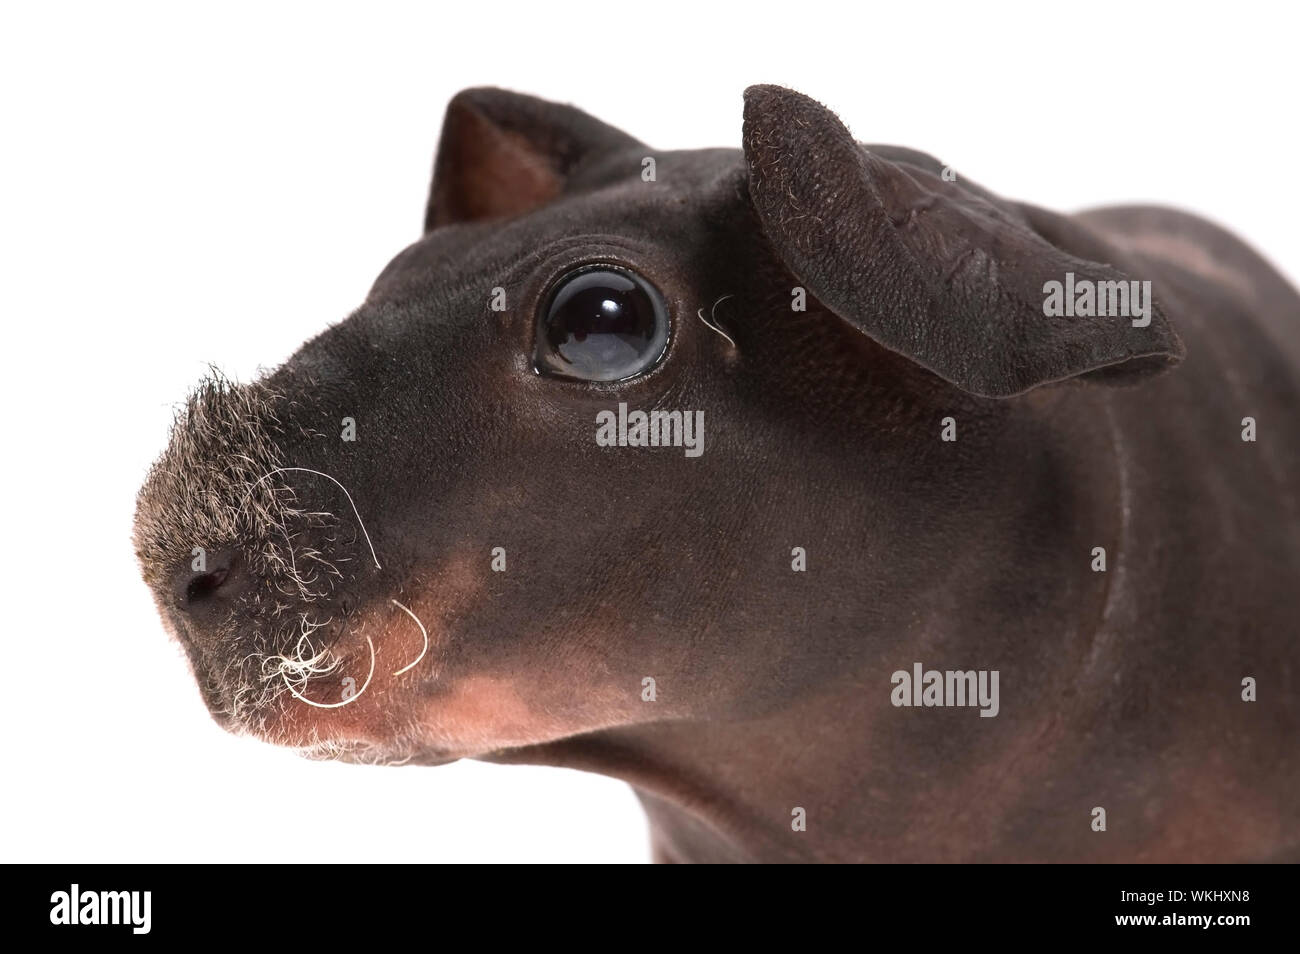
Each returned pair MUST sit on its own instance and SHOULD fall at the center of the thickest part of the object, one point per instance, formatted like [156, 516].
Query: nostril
[199, 581]
[205, 584]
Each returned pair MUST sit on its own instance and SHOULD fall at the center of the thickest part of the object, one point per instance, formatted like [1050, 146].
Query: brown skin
[1118, 689]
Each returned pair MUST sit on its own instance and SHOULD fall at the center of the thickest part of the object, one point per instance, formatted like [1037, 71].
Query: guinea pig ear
[951, 277]
[502, 154]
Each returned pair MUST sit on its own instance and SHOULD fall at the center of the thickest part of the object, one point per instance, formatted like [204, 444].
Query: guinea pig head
[570, 464]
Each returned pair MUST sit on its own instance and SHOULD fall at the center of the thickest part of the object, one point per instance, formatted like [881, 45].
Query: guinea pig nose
[206, 576]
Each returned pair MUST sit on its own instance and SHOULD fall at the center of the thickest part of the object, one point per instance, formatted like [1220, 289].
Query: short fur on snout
[407, 543]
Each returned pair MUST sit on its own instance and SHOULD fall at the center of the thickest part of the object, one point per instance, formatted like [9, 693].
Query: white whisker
[318, 473]
[337, 705]
[424, 632]
[713, 324]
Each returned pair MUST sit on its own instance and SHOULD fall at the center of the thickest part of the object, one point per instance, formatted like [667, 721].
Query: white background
[182, 188]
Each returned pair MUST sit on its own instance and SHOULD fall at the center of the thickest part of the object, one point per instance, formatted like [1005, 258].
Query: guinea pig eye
[601, 323]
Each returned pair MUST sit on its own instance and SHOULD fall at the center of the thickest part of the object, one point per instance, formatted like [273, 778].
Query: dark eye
[601, 323]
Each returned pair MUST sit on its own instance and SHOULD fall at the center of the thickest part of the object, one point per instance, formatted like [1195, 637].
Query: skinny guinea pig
[845, 509]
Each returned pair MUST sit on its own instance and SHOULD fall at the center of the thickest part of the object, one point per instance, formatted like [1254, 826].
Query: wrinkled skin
[1120, 689]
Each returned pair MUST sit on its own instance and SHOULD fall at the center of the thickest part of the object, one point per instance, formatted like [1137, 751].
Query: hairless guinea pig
[846, 509]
